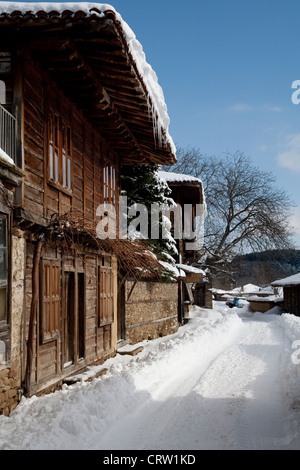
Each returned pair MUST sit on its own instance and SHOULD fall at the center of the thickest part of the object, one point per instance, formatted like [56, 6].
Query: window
[2, 352]
[109, 185]
[60, 162]
[3, 268]
[105, 295]
[50, 299]
[2, 92]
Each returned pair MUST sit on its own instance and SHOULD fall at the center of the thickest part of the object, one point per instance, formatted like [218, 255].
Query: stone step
[87, 375]
[131, 350]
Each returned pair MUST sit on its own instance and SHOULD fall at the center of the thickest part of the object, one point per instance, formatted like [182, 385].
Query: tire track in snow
[171, 405]
[247, 378]
[217, 400]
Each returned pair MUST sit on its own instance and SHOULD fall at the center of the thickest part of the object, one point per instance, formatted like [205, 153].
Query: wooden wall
[50, 361]
[89, 152]
[43, 198]
[291, 295]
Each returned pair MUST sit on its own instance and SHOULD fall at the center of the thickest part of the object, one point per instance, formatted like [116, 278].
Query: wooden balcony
[7, 135]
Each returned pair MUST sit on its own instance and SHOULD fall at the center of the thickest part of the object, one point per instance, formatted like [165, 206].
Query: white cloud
[240, 107]
[273, 109]
[263, 148]
[295, 220]
[290, 157]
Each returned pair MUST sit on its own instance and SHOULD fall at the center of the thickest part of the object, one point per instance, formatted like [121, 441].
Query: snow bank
[163, 384]
[244, 309]
[291, 325]
[291, 371]
[78, 416]
[275, 310]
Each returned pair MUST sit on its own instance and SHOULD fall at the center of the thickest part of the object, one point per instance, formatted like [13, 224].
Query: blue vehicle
[233, 302]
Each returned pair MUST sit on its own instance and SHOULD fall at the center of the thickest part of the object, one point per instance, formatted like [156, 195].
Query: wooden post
[33, 309]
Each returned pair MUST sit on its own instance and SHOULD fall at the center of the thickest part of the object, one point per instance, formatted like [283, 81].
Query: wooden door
[80, 316]
[121, 311]
[68, 318]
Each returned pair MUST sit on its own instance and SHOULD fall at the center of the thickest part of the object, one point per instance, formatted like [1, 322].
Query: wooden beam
[33, 314]
[100, 98]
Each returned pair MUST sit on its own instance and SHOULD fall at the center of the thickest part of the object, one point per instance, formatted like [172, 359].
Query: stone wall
[10, 361]
[151, 310]
[261, 306]
[9, 391]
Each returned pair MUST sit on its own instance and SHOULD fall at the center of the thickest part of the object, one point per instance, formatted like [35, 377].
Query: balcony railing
[8, 133]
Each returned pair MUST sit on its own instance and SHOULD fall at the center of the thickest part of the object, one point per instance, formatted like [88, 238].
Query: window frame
[109, 186]
[2, 91]
[59, 148]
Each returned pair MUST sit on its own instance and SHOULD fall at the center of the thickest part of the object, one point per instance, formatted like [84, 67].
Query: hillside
[264, 267]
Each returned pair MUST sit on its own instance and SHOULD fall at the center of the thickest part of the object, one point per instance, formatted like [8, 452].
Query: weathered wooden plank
[65, 203]
[34, 194]
[34, 162]
[34, 180]
[52, 200]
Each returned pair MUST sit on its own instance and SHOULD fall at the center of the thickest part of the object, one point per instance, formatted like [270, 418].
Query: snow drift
[225, 380]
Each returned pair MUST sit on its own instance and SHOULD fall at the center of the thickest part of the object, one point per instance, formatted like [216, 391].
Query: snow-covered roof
[270, 298]
[156, 100]
[288, 281]
[247, 288]
[266, 290]
[191, 269]
[179, 178]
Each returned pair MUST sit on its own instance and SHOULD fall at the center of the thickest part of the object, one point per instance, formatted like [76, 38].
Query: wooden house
[291, 293]
[76, 104]
[187, 192]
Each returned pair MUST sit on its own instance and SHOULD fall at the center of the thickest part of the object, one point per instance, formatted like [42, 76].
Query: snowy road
[232, 398]
[224, 381]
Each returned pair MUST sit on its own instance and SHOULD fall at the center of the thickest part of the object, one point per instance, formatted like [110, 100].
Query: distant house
[188, 193]
[78, 101]
[263, 292]
[291, 293]
[261, 299]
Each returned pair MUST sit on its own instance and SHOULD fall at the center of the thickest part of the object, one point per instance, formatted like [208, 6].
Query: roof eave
[138, 133]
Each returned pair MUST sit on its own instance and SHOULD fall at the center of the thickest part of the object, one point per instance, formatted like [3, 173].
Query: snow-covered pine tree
[142, 184]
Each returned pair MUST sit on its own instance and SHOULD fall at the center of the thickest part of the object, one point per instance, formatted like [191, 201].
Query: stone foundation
[9, 392]
[11, 349]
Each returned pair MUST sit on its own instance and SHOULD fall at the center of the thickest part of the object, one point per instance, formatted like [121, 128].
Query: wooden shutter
[105, 295]
[50, 299]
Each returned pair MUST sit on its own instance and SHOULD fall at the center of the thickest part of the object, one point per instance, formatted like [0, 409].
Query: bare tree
[247, 212]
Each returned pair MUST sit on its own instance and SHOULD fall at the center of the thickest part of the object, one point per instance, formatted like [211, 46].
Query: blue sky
[226, 68]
